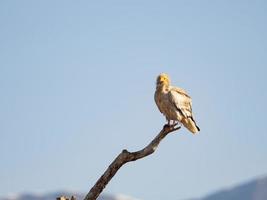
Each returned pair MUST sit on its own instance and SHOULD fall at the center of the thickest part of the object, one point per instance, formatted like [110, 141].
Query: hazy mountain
[53, 196]
[253, 190]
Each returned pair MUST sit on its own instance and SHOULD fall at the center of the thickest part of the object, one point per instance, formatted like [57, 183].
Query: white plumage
[174, 103]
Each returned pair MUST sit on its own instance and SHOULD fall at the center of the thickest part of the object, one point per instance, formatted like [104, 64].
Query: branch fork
[126, 156]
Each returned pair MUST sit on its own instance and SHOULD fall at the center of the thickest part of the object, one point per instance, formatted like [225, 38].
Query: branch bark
[126, 156]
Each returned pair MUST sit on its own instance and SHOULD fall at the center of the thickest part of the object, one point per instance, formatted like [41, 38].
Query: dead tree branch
[124, 157]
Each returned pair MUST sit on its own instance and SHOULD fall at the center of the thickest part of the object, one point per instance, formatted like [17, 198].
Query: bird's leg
[168, 122]
[172, 122]
[172, 125]
[175, 122]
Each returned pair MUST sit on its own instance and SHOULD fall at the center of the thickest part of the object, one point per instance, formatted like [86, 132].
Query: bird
[174, 103]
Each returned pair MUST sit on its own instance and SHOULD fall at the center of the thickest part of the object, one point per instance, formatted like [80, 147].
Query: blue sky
[77, 80]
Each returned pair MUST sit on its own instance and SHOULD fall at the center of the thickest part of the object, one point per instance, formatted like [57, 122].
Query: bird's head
[163, 80]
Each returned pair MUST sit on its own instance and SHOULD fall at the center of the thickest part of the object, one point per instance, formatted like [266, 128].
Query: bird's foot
[166, 126]
[172, 125]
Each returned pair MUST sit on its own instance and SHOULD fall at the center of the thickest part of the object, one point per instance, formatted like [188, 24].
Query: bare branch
[126, 156]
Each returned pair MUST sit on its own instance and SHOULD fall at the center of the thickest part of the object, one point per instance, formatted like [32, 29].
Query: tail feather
[190, 124]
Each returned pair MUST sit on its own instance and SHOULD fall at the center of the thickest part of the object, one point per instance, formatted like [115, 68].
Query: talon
[166, 126]
[176, 122]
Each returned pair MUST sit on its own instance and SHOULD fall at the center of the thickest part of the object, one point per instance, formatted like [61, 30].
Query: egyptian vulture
[174, 103]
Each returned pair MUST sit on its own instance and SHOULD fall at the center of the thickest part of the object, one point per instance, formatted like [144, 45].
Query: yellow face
[163, 79]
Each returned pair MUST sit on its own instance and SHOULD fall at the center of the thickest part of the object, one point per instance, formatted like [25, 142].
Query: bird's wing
[181, 100]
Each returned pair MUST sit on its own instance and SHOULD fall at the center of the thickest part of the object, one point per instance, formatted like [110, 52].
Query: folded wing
[183, 103]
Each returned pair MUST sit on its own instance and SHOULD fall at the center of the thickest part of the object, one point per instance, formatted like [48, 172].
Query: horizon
[73, 192]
